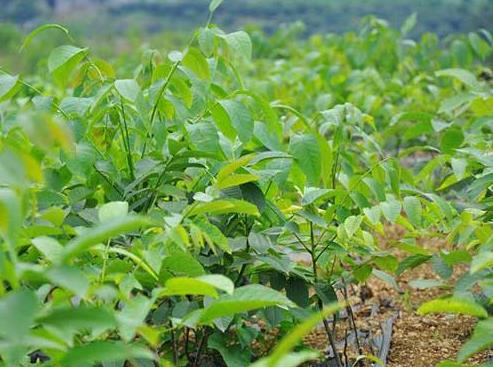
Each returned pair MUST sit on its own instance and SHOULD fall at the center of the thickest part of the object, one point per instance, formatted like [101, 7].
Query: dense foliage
[152, 214]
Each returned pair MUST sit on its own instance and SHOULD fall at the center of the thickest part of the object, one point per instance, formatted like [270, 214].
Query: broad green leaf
[101, 233]
[373, 214]
[231, 167]
[69, 278]
[305, 150]
[103, 351]
[10, 217]
[8, 86]
[204, 285]
[136, 259]
[411, 262]
[224, 207]
[71, 320]
[452, 139]
[312, 194]
[414, 210]
[17, 312]
[112, 210]
[391, 209]
[196, 62]
[129, 89]
[206, 41]
[453, 305]
[235, 180]
[49, 247]
[425, 283]
[204, 137]
[352, 224]
[212, 234]
[389, 279]
[233, 355]
[240, 44]
[63, 60]
[459, 166]
[481, 261]
[482, 339]
[182, 263]
[243, 299]
[409, 24]
[463, 75]
[133, 316]
[298, 292]
[233, 119]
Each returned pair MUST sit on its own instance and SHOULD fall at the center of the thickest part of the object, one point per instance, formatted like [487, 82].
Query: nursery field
[250, 200]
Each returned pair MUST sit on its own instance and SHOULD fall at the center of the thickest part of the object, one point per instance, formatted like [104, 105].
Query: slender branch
[320, 305]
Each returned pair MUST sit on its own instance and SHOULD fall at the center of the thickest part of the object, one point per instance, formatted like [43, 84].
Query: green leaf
[69, 278]
[40, 29]
[240, 44]
[463, 75]
[246, 298]
[224, 207]
[312, 194]
[414, 210]
[411, 262]
[196, 62]
[103, 351]
[426, 283]
[17, 312]
[205, 285]
[373, 214]
[133, 315]
[182, 263]
[10, 217]
[482, 261]
[206, 41]
[352, 224]
[231, 167]
[71, 320]
[214, 4]
[306, 151]
[49, 247]
[232, 355]
[235, 180]
[8, 86]
[63, 60]
[129, 89]
[203, 136]
[389, 279]
[451, 140]
[391, 210]
[409, 24]
[112, 210]
[297, 291]
[481, 339]
[212, 234]
[233, 119]
[101, 233]
[453, 305]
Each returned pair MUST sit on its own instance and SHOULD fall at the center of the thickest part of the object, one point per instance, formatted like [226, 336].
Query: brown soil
[417, 341]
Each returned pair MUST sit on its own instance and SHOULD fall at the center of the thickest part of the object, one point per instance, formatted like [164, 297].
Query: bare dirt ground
[416, 341]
